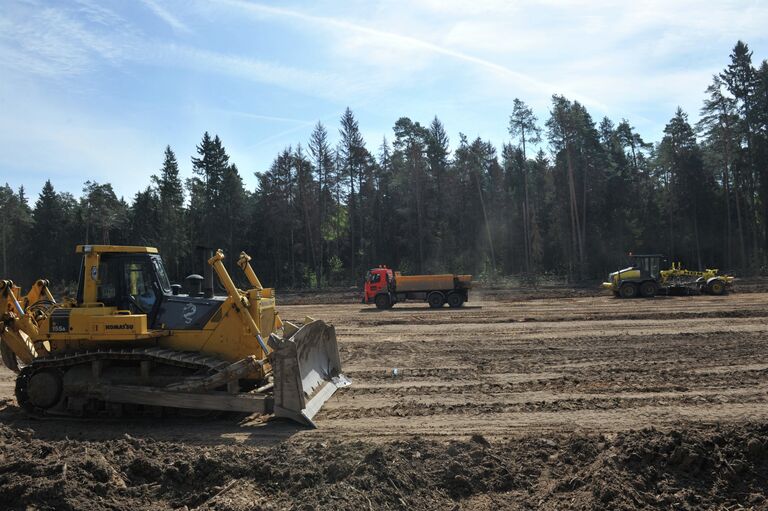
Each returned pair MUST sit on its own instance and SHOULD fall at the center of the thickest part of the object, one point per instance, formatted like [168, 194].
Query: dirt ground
[512, 402]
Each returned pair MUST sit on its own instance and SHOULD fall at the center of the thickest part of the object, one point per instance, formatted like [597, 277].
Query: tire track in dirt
[535, 365]
[579, 357]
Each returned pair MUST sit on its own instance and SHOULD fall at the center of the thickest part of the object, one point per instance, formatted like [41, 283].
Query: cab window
[162, 276]
[138, 285]
[107, 279]
[655, 267]
[375, 277]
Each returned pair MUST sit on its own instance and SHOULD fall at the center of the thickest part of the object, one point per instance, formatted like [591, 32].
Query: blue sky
[94, 90]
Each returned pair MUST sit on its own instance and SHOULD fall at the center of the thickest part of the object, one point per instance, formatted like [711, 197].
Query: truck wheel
[716, 287]
[648, 289]
[436, 299]
[628, 290]
[382, 301]
[455, 300]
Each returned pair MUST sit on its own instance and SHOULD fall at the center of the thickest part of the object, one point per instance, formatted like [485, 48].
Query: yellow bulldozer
[131, 343]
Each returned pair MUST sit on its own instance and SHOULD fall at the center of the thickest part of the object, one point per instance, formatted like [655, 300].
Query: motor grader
[646, 278]
[130, 342]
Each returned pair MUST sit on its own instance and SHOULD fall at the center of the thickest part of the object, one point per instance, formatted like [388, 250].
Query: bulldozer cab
[649, 264]
[133, 282]
[134, 279]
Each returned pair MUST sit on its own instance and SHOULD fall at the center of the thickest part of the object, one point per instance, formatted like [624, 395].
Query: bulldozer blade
[307, 371]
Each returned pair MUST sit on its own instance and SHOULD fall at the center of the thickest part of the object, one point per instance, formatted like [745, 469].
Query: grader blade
[307, 371]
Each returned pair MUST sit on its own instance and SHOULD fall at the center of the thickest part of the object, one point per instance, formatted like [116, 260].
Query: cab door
[376, 283]
[141, 291]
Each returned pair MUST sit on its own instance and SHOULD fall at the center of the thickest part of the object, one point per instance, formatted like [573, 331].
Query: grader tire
[628, 290]
[716, 287]
[648, 289]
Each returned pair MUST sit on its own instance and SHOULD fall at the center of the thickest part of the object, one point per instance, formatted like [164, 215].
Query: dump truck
[132, 343]
[646, 278]
[385, 288]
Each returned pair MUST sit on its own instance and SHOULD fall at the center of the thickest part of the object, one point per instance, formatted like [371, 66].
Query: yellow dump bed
[415, 283]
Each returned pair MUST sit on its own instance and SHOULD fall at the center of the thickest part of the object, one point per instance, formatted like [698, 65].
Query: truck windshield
[375, 277]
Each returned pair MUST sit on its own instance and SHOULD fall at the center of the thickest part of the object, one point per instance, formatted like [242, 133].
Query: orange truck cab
[385, 288]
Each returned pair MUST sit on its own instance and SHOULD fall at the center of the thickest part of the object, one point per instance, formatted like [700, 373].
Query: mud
[691, 469]
[585, 402]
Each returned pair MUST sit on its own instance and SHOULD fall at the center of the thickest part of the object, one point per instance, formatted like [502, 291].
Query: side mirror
[175, 289]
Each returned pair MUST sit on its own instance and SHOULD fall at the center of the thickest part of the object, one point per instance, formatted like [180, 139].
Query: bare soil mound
[686, 469]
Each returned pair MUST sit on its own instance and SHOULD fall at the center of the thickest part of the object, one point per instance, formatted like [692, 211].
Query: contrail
[166, 16]
[522, 78]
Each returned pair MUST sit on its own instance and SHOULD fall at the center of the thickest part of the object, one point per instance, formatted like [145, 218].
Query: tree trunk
[575, 222]
[487, 225]
[353, 266]
[526, 209]
[419, 207]
[321, 218]
[727, 186]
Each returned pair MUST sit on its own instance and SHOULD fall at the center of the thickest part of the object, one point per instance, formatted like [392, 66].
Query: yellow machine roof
[123, 249]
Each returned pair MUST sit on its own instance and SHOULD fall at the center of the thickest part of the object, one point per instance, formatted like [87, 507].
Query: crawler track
[184, 362]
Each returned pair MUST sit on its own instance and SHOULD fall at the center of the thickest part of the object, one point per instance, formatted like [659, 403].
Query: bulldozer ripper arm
[39, 291]
[244, 262]
[16, 329]
[241, 301]
[18, 342]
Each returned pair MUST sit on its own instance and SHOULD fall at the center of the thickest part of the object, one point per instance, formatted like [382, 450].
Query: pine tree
[15, 227]
[522, 125]
[323, 162]
[170, 190]
[719, 124]
[47, 235]
[205, 190]
[234, 211]
[410, 163]
[144, 219]
[689, 201]
[438, 151]
[103, 214]
[352, 158]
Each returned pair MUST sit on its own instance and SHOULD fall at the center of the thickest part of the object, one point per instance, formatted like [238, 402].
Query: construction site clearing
[543, 399]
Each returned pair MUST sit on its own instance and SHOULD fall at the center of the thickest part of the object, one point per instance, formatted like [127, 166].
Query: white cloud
[259, 117]
[97, 13]
[405, 43]
[311, 83]
[165, 15]
[52, 42]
